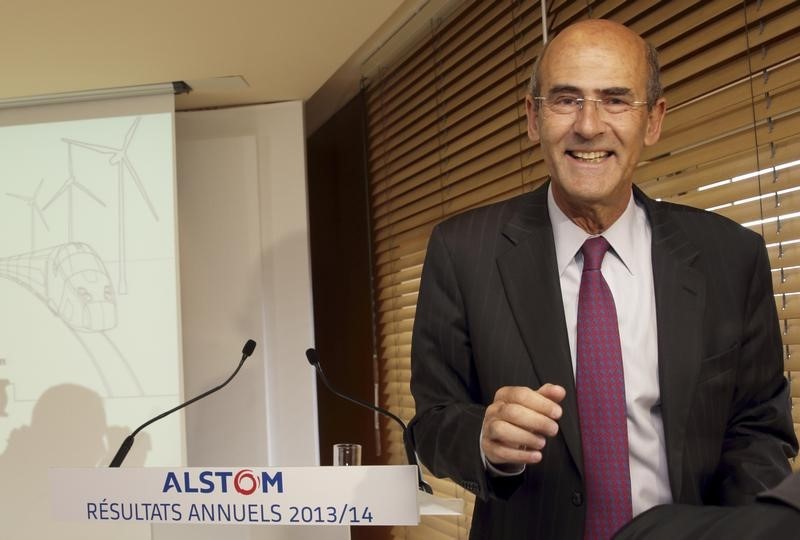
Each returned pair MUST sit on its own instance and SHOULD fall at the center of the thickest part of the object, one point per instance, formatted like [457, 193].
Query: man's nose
[589, 119]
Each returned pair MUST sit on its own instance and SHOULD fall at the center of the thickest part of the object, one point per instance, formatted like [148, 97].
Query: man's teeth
[590, 156]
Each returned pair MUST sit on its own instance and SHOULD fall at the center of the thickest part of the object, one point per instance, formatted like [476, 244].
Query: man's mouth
[589, 157]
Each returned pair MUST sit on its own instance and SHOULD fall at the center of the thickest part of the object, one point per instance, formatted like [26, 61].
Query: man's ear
[655, 117]
[532, 112]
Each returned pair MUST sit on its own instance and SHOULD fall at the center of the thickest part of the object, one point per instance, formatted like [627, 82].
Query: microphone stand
[313, 359]
[126, 445]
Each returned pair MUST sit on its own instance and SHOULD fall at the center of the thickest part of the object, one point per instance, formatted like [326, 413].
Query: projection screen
[89, 305]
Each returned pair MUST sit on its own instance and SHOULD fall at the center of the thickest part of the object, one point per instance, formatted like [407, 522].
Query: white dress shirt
[628, 270]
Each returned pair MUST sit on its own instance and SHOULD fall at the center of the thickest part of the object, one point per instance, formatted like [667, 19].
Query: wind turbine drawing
[36, 210]
[69, 186]
[119, 158]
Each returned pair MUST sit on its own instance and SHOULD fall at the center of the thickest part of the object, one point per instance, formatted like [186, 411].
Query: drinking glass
[346, 454]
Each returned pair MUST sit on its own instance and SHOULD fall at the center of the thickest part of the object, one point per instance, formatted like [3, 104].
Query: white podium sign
[365, 495]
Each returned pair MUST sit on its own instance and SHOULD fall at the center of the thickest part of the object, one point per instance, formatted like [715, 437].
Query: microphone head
[248, 348]
[313, 357]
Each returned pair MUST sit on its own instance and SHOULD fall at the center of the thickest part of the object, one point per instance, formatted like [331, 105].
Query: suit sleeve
[759, 437]
[449, 411]
[776, 514]
[690, 522]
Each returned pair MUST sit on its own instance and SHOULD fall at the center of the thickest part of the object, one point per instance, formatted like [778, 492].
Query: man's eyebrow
[616, 91]
[564, 89]
[569, 89]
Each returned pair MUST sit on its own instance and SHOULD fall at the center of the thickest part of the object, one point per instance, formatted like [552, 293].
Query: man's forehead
[592, 66]
[582, 50]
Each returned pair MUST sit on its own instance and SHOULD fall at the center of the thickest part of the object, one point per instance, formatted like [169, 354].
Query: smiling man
[582, 353]
[597, 117]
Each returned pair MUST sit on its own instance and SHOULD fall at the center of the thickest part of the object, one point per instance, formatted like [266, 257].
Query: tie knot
[594, 249]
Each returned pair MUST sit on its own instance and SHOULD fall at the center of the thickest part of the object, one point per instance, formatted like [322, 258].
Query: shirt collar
[569, 238]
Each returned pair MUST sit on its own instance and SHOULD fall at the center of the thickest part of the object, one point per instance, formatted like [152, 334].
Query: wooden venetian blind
[446, 132]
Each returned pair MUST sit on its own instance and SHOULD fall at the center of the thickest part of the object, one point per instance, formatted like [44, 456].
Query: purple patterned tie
[601, 401]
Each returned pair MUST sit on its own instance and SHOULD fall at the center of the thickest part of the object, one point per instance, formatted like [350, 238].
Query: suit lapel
[532, 288]
[680, 298]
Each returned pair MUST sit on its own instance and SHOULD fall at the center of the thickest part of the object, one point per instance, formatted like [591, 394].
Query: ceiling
[231, 52]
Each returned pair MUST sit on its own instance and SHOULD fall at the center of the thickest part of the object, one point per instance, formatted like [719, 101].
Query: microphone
[411, 456]
[126, 445]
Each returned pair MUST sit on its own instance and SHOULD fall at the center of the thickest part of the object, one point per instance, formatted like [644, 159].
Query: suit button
[577, 498]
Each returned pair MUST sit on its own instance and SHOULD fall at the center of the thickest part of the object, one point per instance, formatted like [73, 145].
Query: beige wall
[245, 274]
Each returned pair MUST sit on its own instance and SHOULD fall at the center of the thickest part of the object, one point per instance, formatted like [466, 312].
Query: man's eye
[565, 100]
[615, 101]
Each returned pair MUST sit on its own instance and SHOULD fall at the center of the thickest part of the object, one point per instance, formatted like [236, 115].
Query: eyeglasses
[561, 104]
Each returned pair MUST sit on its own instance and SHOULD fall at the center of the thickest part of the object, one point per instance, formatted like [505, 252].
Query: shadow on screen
[68, 429]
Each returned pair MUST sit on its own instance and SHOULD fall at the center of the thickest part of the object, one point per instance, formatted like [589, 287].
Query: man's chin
[591, 192]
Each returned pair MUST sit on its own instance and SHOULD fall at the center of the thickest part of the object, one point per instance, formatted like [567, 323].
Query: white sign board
[365, 495]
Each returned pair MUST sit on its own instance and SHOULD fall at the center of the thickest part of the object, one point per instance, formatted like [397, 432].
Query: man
[662, 384]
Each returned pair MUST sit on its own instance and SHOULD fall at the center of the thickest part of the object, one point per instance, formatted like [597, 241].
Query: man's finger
[553, 392]
[531, 399]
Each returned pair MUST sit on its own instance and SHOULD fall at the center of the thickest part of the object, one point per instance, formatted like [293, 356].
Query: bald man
[582, 353]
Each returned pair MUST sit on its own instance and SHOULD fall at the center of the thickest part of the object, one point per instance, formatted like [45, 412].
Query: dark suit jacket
[775, 516]
[490, 314]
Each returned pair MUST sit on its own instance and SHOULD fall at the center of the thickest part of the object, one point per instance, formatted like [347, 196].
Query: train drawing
[74, 283]
[71, 280]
